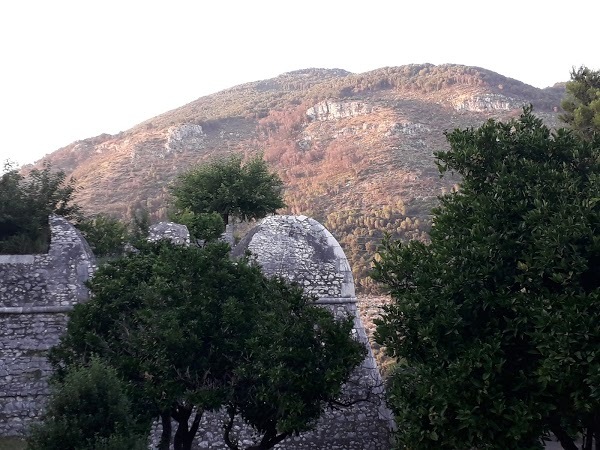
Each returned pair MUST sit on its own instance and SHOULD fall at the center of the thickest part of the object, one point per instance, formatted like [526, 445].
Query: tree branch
[269, 441]
[370, 393]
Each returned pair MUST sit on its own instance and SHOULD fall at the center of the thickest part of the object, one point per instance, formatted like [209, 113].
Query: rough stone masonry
[36, 292]
[302, 250]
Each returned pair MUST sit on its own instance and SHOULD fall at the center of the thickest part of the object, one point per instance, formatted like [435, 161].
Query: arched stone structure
[37, 291]
[302, 250]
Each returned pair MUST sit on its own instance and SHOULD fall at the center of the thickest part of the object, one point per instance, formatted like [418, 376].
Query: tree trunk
[181, 414]
[185, 435]
[188, 439]
[269, 440]
[565, 440]
[165, 436]
[588, 439]
[596, 433]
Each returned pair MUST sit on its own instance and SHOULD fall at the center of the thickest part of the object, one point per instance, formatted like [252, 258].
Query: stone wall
[36, 292]
[302, 250]
[174, 232]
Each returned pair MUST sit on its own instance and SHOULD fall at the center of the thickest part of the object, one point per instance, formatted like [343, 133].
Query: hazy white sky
[75, 69]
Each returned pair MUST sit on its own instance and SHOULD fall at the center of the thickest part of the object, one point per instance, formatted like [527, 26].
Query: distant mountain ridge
[354, 150]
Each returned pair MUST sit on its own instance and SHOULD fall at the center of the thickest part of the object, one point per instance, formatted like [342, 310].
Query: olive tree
[106, 235]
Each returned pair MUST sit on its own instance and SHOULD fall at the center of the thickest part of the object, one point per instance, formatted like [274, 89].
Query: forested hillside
[355, 151]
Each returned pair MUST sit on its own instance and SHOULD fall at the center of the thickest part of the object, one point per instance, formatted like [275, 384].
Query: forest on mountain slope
[355, 151]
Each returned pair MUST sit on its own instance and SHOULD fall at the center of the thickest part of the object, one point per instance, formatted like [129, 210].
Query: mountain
[354, 150]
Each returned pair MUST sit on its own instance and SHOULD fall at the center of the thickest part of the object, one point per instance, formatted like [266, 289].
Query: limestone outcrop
[330, 110]
[487, 103]
[185, 136]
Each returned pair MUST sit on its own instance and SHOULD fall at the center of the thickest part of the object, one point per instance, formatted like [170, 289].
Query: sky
[70, 70]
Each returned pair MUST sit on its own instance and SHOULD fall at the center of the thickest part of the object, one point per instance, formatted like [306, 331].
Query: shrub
[88, 410]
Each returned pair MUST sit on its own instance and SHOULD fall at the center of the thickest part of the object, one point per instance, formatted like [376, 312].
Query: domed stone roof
[300, 249]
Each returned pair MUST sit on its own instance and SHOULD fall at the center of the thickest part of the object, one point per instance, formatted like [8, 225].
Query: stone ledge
[35, 309]
[335, 300]
[17, 259]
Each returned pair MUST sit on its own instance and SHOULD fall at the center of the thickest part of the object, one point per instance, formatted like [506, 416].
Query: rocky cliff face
[329, 110]
[488, 103]
[187, 136]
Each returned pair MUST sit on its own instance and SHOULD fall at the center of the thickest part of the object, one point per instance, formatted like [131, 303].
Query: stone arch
[302, 250]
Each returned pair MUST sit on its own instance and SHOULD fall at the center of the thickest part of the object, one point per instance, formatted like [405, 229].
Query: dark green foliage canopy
[88, 410]
[188, 327]
[106, 235]
[582, 102]
[230, 186]
[25, 204]
[139, 226]
[203, 226]
[495, 323]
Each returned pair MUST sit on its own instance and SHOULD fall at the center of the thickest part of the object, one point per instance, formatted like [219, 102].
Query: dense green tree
[202, 226]
[139, 226]
[106, 235]
[582, 102]
[300, 356]
[88, 410]
[193, 331]
[495, 322]
[230, 187]
[26, 201]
